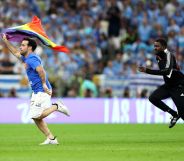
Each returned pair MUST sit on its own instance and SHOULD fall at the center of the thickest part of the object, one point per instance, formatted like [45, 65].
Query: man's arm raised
[12, 49]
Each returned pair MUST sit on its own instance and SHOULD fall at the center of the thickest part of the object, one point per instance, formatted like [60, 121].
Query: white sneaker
[62, 108]
[50, 141]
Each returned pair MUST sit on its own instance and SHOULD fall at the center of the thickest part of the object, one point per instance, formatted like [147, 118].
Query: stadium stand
[17, 82]
[108, 39]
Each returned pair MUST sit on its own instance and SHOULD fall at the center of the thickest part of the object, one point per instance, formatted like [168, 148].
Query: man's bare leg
[59, 106]
[48, 111]
[42, 125]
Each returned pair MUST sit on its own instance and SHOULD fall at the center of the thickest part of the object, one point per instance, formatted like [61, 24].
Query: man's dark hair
[31, 42]
[162, 41]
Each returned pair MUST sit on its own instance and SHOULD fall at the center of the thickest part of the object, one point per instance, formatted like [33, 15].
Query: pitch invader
[41, 97]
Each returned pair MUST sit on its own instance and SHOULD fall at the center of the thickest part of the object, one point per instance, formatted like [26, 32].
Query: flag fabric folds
[33, 29]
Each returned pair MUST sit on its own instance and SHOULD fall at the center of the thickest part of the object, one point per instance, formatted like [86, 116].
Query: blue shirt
[31, 63]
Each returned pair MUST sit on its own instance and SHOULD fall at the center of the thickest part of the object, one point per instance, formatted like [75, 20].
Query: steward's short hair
[162, 41]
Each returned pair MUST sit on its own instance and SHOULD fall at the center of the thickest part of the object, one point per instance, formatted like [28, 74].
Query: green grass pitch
[93, 142]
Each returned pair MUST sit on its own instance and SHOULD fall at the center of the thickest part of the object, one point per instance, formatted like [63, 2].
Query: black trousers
[165, 91]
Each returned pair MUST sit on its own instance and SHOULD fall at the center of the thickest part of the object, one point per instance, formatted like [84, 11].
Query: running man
[41, 97]
[174, 81]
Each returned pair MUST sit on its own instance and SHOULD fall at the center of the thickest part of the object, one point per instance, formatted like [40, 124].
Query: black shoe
[173, 121]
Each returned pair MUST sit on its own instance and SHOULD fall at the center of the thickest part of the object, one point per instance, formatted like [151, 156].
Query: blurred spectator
[6, 66]
[172, 41]
[113, 15]
[108, 70]
[88, 88]
[72, 93]
[118, 64]
[88, 93]
[126, 93]
[1, 95]
[107, 93]
[144, 93]
[144, 30]
[180, 40]
[12, 93]
[172, 26]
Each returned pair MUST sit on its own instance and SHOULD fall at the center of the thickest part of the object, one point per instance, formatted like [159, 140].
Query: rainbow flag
[32, 29]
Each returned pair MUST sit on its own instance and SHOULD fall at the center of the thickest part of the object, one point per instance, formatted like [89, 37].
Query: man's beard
[156, 52]
[23, 53]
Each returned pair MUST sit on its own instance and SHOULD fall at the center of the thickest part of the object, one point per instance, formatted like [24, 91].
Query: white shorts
[39, 102]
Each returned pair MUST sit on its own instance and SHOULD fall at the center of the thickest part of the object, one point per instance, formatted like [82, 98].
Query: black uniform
[174, 83]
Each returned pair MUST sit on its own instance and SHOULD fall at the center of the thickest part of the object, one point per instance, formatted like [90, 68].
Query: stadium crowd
[105, 37]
